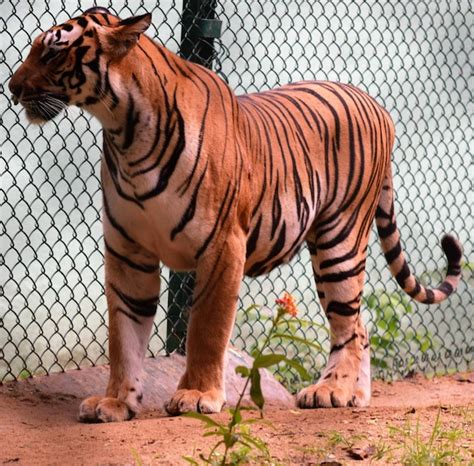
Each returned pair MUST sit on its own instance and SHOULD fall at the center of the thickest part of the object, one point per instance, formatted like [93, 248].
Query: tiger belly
[276, 238]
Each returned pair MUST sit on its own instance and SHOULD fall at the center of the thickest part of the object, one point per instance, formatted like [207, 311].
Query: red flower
[287, 305]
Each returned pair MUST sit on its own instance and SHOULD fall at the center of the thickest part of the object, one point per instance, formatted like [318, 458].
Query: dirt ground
[40, 429]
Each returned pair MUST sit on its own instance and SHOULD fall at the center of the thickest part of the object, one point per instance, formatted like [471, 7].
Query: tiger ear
[122, 36]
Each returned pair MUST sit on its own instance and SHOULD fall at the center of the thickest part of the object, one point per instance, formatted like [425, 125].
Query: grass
[414, 443]
[440, 446]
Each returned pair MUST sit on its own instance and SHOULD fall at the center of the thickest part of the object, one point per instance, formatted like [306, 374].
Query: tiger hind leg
[346, 379]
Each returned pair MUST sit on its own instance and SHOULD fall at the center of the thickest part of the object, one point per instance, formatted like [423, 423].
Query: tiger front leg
[212, 316]
[346, 379]
[132, 288]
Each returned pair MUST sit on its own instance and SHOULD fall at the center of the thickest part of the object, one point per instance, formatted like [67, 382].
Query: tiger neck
[143, 128]
[137, 108]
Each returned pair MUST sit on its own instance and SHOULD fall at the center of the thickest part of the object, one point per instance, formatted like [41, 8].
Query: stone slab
[162, 376]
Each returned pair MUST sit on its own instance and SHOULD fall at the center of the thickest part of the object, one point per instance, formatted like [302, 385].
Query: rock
[162, 376]
[361, 451]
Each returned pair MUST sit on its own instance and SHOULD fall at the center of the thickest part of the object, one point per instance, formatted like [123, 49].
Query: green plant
[291, 339]
[136, 457]
[440, 447]
[25, 374]
[389, 337]
[235, 437]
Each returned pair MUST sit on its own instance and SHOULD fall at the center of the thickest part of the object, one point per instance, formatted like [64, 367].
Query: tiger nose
[16, 88]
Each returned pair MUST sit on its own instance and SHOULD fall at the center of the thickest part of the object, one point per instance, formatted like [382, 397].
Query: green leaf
[379, 363]
[230, 439]
[203, 418]
[236, 414]
[304, 323]
[215, 433]
[258, 443]
[259, 420]
[296, 339]
[372, 301]
[251, 308]
[243, 371]
[303, 373]
[381, 324]
[378, 342]
[267, 360]
[255, 352]
[256, 389]
[190, 460]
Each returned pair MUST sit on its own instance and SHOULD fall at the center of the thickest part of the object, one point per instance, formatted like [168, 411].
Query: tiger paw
[100, 409]
[361, 398]
[185, 401]
[325, 395]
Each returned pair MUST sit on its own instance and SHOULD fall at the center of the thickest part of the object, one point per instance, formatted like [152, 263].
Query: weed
[136, 457]
[25, 374]
[235, 438]
[388, 335]
[291, 338]
[440, 447]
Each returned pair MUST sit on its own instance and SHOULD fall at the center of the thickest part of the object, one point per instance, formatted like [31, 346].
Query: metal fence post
[199, 29]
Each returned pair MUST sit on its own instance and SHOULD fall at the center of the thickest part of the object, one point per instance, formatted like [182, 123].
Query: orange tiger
[200, 179]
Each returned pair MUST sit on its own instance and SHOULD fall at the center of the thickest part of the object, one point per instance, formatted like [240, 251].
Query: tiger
[199, 179]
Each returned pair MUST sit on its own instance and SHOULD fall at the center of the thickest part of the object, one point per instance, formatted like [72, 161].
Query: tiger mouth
[43, 107]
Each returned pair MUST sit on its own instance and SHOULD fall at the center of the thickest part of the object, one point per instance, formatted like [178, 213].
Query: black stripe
[330, 108]
[339, 347]
[168, 169]
[112, 168]
[145, 268]
[185, 185]
[114, 222]
[276, 211]
[380, 213]
[415, 290]
[454, 269]
[253, 238]
[108, 88]
[165, 135]
[82, 22]
[225, 206]
[393, 253]
[258, 267]
[338, 260]
[446, 288]
[312, 248]
[385, 232]
[342, 309]
[403, 274]
[142, 307]
[130, 316]
[429, 297]
[190, 210]
[344, 275]
[131, 121]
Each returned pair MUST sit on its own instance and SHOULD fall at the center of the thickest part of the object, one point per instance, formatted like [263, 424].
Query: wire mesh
[412, 56]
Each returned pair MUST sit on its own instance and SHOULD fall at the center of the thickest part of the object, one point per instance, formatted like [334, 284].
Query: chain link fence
[412, 56]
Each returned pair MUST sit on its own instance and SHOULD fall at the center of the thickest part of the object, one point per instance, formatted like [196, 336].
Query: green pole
[199, 29]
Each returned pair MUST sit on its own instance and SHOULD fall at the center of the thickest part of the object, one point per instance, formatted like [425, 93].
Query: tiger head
[65, 64]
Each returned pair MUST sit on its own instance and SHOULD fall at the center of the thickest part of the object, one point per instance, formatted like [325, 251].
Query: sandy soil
[37, 428]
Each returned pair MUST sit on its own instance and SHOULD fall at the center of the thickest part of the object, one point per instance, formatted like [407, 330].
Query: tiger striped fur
[198, 179]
